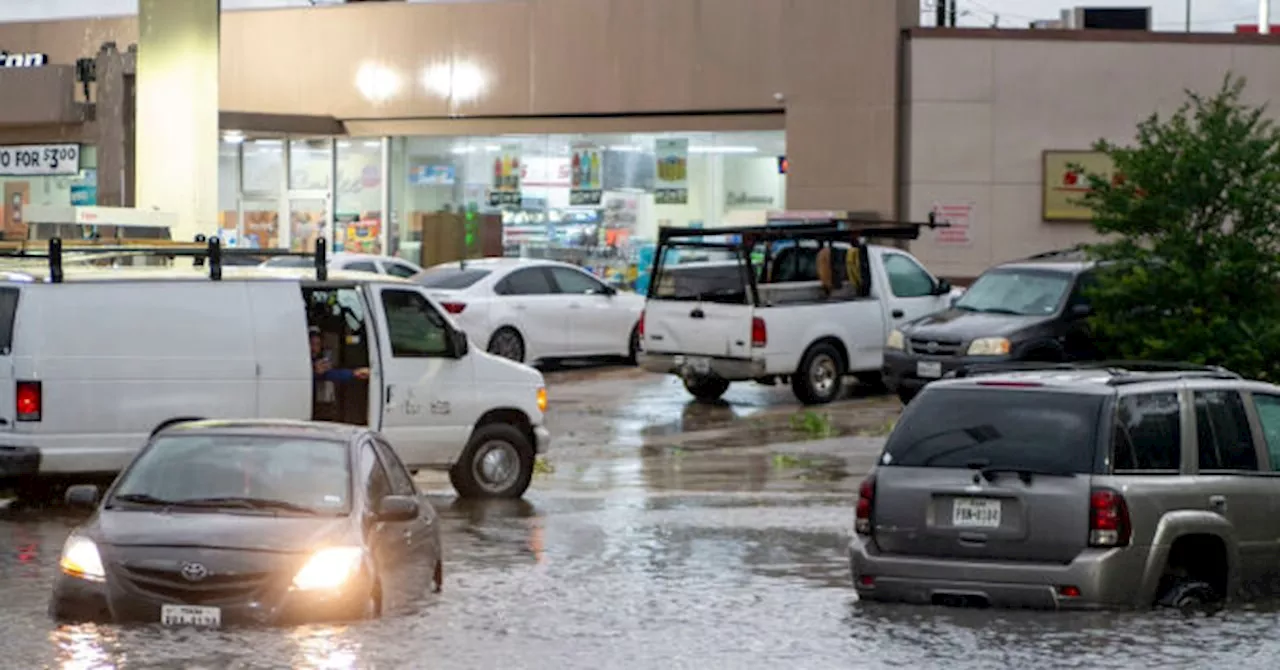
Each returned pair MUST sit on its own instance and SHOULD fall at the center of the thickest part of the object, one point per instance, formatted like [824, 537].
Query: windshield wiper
[140, 499]
[248, 503]
[1001, 310]
[989, 472]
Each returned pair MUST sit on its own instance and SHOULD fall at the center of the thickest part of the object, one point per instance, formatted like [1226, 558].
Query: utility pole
[940, 9]
[951, 12]
[1264, 17]
[1188, 15]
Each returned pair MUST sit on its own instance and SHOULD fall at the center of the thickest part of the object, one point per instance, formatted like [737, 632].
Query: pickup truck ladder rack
[202, 249]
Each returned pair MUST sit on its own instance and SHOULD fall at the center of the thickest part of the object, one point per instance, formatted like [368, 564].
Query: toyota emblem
[194, 572]
[932, 347]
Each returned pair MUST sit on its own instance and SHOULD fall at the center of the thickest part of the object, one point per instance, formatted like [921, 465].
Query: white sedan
[530, 310]
[383, 265]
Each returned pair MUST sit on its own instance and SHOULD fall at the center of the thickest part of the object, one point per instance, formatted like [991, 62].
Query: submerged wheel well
[174, 422]
[1199, 557]
[513, 417]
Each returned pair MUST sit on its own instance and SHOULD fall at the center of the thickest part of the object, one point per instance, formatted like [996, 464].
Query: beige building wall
[983, 105]
[831, 66]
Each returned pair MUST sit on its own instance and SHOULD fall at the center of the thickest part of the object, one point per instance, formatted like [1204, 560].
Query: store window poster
[504, 189]
[585, 184]
[672, 156]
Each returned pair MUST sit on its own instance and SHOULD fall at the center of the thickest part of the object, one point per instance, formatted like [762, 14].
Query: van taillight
[454, 307]
[27, 401]
[640, 326]
[759, 333]
[866, 504]
[1108, 519]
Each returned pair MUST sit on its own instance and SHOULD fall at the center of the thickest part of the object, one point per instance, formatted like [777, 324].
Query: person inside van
[322, 363]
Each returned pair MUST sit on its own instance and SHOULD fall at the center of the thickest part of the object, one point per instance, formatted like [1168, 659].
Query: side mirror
[943, 287]
[458, 343]
[1081, 310]
[82, 495]
[397, 508]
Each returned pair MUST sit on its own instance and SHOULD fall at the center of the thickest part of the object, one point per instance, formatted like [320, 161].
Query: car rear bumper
[732, 369]
[1106, 579]
[79, 600]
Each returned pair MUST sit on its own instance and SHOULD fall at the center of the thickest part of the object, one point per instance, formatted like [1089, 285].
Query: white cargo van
[806, 304]
[93, 361]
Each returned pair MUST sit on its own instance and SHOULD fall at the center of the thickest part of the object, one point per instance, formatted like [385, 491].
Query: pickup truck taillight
[866, 504]
[1108, 519]
[759, 333]
[27, 401]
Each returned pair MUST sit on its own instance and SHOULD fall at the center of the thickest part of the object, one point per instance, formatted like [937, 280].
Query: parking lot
[657, 534]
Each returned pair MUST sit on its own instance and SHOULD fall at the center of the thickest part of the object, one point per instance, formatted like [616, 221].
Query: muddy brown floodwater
[659, 535]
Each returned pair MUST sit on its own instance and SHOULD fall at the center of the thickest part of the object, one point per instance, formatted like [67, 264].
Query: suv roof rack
[1076, 253]
[834, 228]
[202, 249]
[1120, 371]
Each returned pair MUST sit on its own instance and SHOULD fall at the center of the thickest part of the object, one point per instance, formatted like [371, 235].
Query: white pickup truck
[808, 303]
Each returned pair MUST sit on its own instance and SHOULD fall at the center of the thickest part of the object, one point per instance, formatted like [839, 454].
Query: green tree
[1190, 264]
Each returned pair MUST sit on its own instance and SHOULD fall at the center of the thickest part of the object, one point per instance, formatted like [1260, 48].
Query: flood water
[633, 554]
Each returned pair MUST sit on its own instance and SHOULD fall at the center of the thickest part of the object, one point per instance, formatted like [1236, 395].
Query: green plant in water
[812, 424]
[541, 466]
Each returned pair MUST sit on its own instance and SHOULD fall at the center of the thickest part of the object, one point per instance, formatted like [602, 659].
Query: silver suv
[1076, 486]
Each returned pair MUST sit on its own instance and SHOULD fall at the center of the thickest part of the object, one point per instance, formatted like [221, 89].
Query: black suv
[1027, 310]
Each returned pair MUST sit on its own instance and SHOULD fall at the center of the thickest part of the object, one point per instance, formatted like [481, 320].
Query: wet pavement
[657, 534]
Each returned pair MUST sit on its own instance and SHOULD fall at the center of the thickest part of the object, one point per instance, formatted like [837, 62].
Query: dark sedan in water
[251, 522]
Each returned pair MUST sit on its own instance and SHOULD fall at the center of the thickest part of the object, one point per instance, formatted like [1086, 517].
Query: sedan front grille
[170, 585]
[934, 347]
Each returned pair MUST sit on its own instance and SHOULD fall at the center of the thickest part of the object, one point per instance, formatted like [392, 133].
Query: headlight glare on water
[329, 568]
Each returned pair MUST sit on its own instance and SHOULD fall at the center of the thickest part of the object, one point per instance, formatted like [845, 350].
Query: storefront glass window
[261, 185]
[310, 168]
[595, 200]
[80, 189]
[228, 189]
[358, 211]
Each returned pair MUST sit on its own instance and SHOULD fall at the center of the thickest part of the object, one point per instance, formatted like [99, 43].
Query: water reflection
[83, 647]
[324, 648]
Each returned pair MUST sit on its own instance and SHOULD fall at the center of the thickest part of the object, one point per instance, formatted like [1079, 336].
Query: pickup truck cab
[804, 303]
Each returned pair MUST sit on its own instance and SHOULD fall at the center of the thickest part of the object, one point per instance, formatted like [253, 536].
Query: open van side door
[428, 396]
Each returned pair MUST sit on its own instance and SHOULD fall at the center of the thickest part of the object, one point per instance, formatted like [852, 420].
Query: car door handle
[897, 313]
[697, 313]
[1218, 502]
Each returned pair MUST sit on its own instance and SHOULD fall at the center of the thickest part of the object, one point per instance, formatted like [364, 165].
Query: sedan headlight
[896, 340]
[989, 346]
[329, 568]
[80, 559]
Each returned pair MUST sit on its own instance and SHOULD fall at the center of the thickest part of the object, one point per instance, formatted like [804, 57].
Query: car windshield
[1021, 292]
[450, 277]
[1034, 430]
[278, 473]
[288, 262]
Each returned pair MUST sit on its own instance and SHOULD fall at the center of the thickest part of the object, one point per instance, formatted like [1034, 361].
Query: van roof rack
[1120, 371]
[200, 250]
[835, 228]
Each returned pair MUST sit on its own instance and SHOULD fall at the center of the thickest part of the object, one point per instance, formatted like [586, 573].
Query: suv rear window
[450, 277]
[1001, 428]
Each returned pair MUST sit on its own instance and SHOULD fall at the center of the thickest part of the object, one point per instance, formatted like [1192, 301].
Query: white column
[1264, 17]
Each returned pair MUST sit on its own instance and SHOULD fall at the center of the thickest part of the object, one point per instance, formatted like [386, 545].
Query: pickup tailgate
[697, 328]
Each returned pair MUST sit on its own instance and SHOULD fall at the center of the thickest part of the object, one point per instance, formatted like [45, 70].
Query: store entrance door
[258, 223]
[309, 216]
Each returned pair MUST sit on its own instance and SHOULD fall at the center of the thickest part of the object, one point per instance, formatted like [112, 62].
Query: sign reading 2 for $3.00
[39, 160]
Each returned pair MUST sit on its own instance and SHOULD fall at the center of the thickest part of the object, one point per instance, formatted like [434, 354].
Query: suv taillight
[866, 505]
[27, 401]
[1108, 519]
[759, 333]
[454, 307]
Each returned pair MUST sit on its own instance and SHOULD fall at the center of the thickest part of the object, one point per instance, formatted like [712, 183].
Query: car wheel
[706, 388]
[633, 346]
[1189, 596]
[507, 343]
[820, 376]
[497, 463]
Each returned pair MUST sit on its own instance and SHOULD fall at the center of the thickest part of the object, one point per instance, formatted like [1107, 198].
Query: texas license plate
[698, 364]
[190, 615]
[975, 513]
[929, 369]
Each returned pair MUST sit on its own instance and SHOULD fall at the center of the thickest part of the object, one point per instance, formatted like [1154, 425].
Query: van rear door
[989, 473]
[8, 317]
[700, 309]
